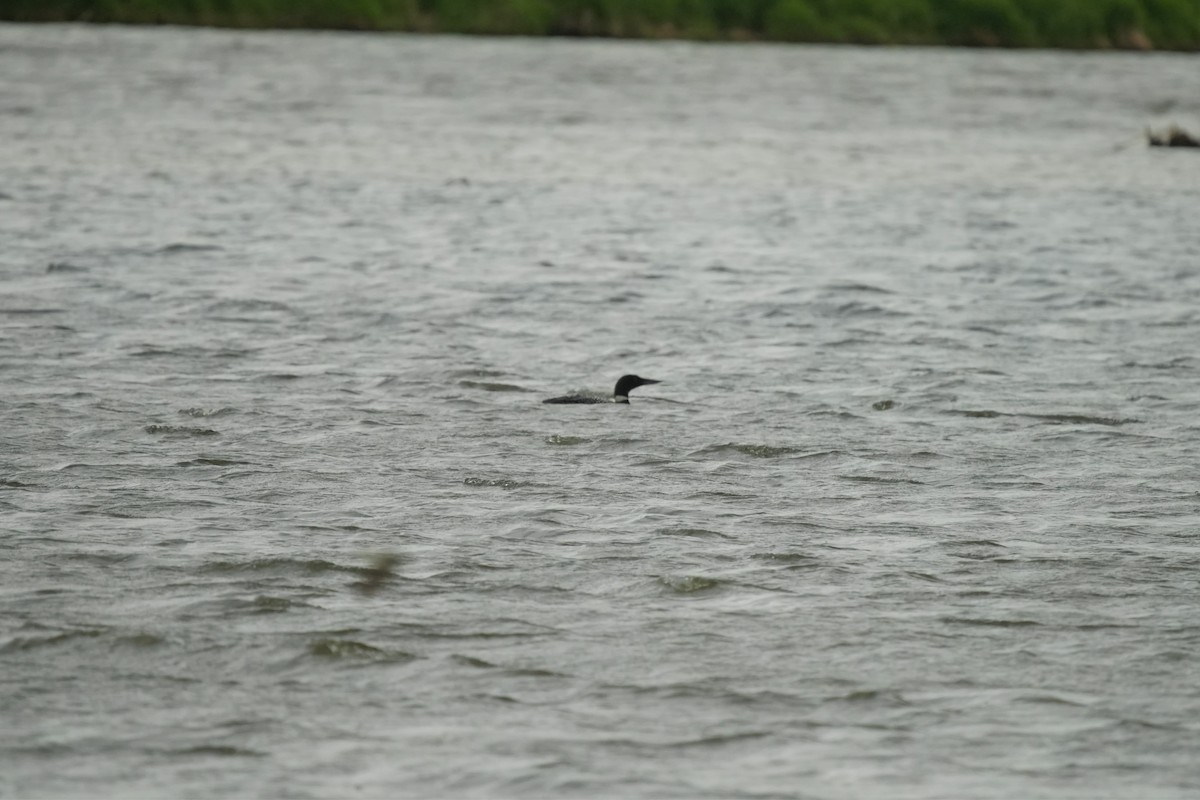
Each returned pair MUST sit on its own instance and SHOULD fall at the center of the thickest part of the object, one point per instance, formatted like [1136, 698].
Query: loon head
[626, 384]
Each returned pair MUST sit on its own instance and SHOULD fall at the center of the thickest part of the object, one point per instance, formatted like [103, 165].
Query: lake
[913, 513]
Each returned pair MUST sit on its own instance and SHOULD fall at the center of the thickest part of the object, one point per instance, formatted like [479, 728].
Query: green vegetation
[1083, 24]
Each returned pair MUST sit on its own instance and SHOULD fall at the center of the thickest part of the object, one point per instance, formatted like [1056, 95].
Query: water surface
[913, 513]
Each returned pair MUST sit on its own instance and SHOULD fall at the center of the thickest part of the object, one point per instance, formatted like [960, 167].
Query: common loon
[625, 385]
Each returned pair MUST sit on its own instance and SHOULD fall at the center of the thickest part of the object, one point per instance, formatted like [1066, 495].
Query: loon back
[578, 399]
[625, 385]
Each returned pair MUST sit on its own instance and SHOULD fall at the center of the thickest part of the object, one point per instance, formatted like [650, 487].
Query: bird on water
[625, 385]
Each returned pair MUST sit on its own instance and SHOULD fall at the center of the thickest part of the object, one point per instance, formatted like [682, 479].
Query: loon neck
[621, 398]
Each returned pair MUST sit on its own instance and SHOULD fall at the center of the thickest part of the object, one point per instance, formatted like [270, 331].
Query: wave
[1058, 418]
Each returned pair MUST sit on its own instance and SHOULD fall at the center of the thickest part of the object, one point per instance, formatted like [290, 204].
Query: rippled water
[913, 513]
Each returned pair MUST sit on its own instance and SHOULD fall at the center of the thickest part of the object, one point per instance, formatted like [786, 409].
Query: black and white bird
[625, 385]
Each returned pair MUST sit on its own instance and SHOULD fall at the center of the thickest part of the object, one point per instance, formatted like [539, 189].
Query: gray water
[914, 512]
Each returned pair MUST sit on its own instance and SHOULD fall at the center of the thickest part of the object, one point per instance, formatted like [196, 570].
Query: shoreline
[1105, 26]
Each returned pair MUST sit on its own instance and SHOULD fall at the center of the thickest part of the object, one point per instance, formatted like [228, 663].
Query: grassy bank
[1081, 24]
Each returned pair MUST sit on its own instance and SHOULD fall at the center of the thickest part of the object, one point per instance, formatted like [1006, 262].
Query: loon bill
[625, 385]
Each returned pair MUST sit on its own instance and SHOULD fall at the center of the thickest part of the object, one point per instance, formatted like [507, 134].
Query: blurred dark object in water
[377, 574]
[1174, 136]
